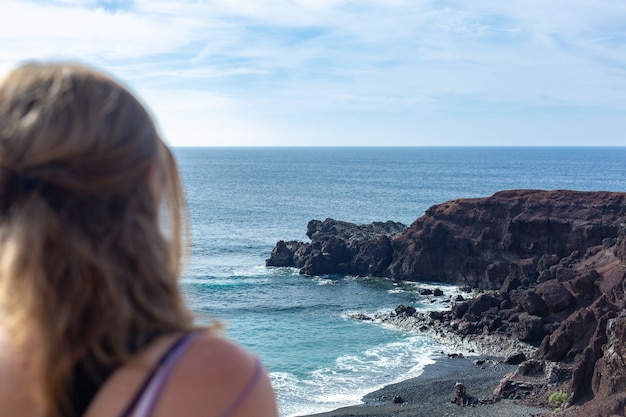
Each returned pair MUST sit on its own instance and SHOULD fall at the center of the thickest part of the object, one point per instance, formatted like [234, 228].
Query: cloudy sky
[348, 72]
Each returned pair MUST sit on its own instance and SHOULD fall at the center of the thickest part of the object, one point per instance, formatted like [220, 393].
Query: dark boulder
[531, 367]
[396, 399]
[482, 303]
[528, 329]
[555, 296]
[515, 359]
[402, 310]
[533, 304]
[459, 310]
[546, 261]
[511, 283]
[284, 254]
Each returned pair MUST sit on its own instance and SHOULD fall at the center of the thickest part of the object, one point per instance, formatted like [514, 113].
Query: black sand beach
[429, 394]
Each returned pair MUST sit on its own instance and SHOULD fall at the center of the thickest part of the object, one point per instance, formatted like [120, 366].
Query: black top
[88, 376]
[85, 383]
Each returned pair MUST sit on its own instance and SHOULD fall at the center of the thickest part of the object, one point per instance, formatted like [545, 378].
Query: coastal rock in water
[402, 310]
[340, 248]
[291, 254]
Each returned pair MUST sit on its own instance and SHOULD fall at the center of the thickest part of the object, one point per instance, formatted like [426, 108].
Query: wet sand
[429, 394]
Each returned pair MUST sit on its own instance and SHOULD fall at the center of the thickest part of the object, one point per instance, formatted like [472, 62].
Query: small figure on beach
[460, 396]
[93, 234]
[396, 399]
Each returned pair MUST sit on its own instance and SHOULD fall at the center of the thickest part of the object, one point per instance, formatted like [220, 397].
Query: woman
[92, 231]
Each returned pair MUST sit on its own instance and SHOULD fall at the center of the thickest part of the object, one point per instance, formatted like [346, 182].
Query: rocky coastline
[548, 268]
[489, 344]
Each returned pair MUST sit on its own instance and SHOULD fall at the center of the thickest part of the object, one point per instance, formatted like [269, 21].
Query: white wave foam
[353, 376]
[326, 281]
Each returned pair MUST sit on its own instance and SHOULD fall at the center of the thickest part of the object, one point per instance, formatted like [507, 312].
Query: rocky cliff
[551, 265]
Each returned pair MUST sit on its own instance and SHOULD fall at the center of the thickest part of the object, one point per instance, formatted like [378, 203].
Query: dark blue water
[243, 200]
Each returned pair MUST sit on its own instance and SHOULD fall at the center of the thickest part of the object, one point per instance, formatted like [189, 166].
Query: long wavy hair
[93, 224]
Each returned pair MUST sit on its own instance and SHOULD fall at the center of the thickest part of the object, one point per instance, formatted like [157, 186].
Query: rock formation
[551, 265]
[340, 248]
[460, 396]
[510, 237]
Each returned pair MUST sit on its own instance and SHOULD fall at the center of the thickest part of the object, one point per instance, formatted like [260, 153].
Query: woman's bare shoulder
[218, 373]
[221, 356]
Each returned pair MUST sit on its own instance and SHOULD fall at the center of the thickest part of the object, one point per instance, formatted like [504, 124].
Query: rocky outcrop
[551, 266]
[511, 237]
[340, 248]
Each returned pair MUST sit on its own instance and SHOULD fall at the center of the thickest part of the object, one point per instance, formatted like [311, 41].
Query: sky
[348, 72]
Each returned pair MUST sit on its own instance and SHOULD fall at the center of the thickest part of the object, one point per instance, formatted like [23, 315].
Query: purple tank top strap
[146, 399]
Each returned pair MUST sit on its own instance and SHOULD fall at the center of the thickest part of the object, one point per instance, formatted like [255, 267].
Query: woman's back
[214, 377]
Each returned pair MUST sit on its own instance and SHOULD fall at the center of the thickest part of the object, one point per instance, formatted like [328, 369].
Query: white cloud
[35, 30]
[254, 69]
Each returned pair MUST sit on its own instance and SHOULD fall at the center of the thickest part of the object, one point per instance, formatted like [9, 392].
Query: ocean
[243, 200]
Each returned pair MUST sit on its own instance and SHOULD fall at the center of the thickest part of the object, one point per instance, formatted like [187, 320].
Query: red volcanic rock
[552, 264]
[482, 241]
[584, 287]
[555, 296]
[529, 328]
[533, 304]
[571, 338]
[505, 241]
[609, 376]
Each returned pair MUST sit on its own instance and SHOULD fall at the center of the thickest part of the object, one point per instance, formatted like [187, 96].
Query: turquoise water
[243, 200]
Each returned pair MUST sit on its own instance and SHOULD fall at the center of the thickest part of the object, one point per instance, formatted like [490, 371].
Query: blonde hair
[83, 262]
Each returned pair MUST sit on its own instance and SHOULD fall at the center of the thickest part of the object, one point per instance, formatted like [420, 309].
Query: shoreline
[495, 345]
[476, 361]
[430, 394]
